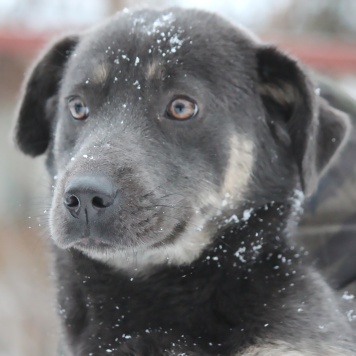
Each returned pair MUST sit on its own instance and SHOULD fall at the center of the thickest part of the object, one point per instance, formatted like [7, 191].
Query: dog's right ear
[32, 130]
[313, 130]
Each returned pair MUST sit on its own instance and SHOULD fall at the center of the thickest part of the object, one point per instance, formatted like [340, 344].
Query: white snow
[239, 253]
[347, 296]
[233, 218]
[246, 214]
[351, 316]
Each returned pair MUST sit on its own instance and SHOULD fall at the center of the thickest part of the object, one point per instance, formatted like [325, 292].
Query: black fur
[33, 127]
[192, 258]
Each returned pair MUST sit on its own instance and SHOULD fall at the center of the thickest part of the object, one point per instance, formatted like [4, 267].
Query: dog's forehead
[154, 44]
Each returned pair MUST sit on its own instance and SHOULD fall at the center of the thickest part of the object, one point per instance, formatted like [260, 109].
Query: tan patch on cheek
[270, 351]
[101, 74]
[237, 175]
[239, 167]
[280, 348]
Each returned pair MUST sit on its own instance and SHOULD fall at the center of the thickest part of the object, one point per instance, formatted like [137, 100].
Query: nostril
[86, 196]
[72, 201]
[100, 203]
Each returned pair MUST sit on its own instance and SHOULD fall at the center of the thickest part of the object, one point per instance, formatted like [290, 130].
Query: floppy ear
[32, 130]
[298, 116]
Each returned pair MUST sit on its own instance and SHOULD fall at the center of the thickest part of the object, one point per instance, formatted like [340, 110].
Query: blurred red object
[325, 55]
[16, 43]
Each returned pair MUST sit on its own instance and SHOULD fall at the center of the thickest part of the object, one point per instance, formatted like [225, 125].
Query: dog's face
[160, 125]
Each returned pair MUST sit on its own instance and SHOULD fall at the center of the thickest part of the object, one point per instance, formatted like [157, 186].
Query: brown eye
[182, 109]
[77, 108]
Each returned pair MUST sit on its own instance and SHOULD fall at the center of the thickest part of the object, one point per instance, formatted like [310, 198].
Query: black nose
[85, 197]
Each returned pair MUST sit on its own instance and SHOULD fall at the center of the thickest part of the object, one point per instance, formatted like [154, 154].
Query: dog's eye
[77, 108]
[182, 109]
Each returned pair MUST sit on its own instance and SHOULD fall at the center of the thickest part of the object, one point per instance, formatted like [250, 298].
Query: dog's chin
[179, 245]
[127, 257]
[99, 248]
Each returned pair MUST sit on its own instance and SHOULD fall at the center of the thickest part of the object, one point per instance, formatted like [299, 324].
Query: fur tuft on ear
[333, 131]
[32, 130]
[314, 130]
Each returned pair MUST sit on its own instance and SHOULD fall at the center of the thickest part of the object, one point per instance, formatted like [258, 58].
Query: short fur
[193, 257]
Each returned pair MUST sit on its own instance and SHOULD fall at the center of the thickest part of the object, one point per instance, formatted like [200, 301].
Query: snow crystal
[257, 247]
[137, 61]
[347, 296]
[233, 218]
[175, 43]
[239, 253]
[350, 315]
[168, 18]
[163, 20]
[137, 83]
[117, 61]
[246, 214]
[298, 199]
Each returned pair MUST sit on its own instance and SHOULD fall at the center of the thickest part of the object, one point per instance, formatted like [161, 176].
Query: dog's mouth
[89, 241]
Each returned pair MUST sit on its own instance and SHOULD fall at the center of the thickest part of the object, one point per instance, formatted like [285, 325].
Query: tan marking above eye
[182, 109]
[78, 108]
[101, 73]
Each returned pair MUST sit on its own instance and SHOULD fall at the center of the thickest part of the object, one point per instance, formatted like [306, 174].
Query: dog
[180, 149]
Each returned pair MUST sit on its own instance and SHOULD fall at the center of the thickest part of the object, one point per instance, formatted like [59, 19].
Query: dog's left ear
[36, 110]
[315, 130]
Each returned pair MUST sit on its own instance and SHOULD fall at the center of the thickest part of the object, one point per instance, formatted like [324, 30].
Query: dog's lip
[92, 242]
[88, 242]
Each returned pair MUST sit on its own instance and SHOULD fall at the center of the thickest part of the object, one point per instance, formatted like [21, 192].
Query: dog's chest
[171, 302]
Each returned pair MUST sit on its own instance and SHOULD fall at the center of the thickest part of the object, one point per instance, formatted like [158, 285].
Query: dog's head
[157, 123]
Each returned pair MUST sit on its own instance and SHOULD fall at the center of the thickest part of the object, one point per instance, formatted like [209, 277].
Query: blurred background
[322, 33]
